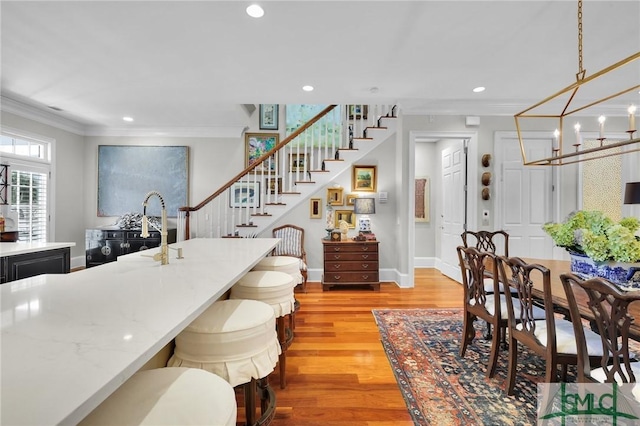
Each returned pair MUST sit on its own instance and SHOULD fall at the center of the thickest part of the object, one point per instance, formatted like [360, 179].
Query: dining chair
[478, 303]
[548, 335]
[292, 244]
[496, 242]
[608, 305]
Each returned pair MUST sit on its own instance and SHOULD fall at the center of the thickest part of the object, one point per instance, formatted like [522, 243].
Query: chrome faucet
[163, 256]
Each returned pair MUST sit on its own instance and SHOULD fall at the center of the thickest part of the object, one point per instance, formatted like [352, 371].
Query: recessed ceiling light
[307, 88]
[479, 89]
[127, 119]
[255, 11]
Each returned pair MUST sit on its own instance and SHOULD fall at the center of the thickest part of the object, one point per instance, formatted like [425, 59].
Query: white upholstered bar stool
[235, 339]
[287, 264]
[168, 396]
[275, 289]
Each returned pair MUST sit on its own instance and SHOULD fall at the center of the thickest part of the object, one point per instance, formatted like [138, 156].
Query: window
[28, 158]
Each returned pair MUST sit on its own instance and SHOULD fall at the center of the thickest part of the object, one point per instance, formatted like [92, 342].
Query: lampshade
[632, 193]
[364, 206]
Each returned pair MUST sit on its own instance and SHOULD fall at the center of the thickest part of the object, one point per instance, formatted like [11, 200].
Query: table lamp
[364, 207]
[632, 193]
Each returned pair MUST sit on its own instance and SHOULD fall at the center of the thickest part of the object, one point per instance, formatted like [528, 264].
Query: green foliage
[594, 234]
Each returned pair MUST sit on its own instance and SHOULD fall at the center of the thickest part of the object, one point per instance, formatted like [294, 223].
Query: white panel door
[453, 196]
[526, 198]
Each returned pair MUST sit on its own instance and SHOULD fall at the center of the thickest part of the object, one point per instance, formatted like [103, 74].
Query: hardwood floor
[337, 371]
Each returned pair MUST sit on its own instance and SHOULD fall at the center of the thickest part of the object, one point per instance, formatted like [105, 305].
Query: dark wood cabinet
[16, 267]
[105, 245]
[350, 263]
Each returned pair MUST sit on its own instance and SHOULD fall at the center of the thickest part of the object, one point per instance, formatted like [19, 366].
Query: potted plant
[600, 246]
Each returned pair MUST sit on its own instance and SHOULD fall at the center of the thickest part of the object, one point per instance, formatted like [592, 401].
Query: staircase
[293, 170]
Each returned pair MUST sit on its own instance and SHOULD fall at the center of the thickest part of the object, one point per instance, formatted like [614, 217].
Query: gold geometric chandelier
[559, 106]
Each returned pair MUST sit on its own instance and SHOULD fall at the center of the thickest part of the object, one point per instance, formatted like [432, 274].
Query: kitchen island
[69, 341]
[22, 260]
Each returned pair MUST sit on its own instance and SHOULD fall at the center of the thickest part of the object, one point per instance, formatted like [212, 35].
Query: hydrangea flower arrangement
[595, 235]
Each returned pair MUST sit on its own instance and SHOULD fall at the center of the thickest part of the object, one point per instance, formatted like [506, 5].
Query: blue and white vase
[625, 275]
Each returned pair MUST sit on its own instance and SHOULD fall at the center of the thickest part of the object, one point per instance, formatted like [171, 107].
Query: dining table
[559, 297]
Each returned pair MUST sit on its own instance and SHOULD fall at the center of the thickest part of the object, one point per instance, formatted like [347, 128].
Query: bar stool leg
[282, 358]
[250, 402]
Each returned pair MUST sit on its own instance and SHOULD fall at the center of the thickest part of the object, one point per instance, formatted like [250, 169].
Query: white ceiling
[190, 65]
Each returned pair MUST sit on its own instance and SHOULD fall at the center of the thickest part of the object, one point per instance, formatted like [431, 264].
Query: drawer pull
[337, 266]
[365, 248]
[336, 256]
[336, 249]
[336, 277]
[365, 256]
[365, 277]
[365, 265]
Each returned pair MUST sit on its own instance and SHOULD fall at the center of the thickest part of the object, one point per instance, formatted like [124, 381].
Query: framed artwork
[364, 179]
[422, 199]
[350, 198]
[161, 168]
[348, 216]
[296, 162]
[268, 116]
[315, 208]
[271, 183]
[334, 197]
[244, 194]
[357, 112]
[257, 145]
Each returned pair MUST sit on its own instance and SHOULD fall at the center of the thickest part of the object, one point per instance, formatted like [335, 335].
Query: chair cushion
[271, 287]
[598, 374]
[538, 313]
[288, 264]
[290, 244]
[566, 338]
[168, 396]
[235, 339]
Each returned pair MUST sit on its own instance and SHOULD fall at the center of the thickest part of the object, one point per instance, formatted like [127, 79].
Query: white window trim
[36, 165]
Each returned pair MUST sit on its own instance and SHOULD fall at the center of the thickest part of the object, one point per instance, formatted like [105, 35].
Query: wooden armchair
[549, 337]
[610, 308]
[292, 244]
[487, 241]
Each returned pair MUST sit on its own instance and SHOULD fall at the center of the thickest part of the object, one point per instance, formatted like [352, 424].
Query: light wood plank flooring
[337, 371]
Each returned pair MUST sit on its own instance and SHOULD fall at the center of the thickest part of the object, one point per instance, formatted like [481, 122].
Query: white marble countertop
[11, 249]
[68, 341]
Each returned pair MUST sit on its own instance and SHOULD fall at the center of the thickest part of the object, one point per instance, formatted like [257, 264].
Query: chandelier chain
[580, 70]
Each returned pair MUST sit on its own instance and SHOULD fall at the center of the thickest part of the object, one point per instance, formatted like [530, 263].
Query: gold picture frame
[315, 208]
[297, 162]
[357, 112]
[335, 197]
[350, 198]
[348, 216]
[364, 179]
[270, 185]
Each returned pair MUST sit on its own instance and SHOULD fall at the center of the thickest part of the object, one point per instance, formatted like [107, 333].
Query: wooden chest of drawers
[350, 263]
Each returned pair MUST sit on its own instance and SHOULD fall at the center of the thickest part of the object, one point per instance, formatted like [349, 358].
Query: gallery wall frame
[126, 173]
[258, 144]
[335, 196]
[348, 216]
[244, 194]
[315, 208]
[297, 162]
[364, 178]
[357, 112]
[422, 199]
[350, 198]
[270, 184]
[269, 116]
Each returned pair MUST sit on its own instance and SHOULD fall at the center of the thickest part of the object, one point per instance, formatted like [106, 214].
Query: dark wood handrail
[248, 169]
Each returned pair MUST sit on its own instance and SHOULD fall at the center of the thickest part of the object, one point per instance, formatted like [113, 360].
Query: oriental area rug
[441, 388]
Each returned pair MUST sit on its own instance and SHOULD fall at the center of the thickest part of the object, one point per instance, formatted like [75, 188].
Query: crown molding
[168, 132]
[40, 115]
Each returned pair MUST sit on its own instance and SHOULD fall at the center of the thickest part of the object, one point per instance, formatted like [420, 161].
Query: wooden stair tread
[362, 139]
[261, 214]
[275, 204]
[320, 171]
[246, 225]
[304, 181]
[333, 159]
